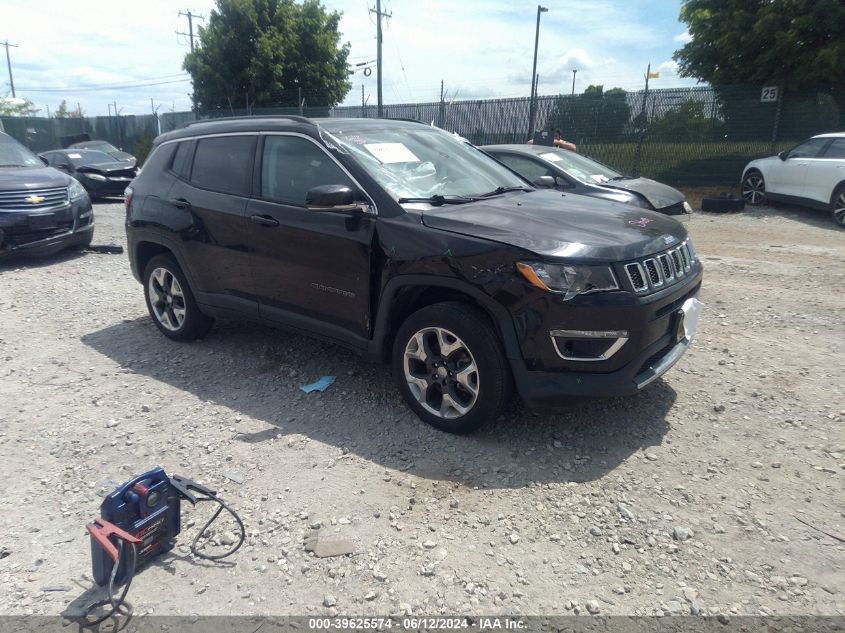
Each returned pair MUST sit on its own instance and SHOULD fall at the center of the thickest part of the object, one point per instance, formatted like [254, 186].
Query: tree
[797, 44]
[17, 107]
[593, 116]
[686, 121]
[62, 112]
[259, 53]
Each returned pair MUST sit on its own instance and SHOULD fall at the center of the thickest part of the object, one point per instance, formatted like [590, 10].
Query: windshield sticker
[551, 157]
[388, 153]
[74, 155]
[355, 138]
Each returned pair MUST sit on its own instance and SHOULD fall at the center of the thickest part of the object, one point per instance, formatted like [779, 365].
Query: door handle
[181, 203]
[263, 220]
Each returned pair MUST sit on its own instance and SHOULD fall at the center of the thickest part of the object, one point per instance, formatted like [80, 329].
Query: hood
[17, 178]
[557, 225]
[658, 194]
[105, 168]
[123, 156]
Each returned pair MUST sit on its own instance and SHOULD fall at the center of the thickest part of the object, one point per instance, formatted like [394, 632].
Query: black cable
[115, 603]
[213, 518]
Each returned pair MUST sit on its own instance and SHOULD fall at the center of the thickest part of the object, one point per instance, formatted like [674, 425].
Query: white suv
[812, 173]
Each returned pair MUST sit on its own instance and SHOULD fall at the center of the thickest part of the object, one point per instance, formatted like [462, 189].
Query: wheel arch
[404, 295]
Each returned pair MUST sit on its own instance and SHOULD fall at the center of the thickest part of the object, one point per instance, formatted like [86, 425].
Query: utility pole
[9, 64]
[574, 71]
[533, 106]
[190, 32]
[442, 111]
[635, 171]
[155, 108]
[379, 15]
[363, 103]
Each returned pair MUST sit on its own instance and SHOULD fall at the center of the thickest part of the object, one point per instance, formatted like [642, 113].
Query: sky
[95, 53]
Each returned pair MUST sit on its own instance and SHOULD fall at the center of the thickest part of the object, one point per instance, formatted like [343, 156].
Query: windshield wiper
[438, 201]
[619, 178]
[500, 190]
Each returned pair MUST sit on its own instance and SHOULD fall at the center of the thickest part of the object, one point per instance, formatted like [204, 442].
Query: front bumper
[105, 188]
[70, 225]
[672, 327]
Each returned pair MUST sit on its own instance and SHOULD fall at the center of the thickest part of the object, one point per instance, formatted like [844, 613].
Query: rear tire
[754, 187]
[837, 206]
[171, 302]
[449, 367]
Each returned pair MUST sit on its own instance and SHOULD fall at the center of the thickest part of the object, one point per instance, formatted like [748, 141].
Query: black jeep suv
[406, 242]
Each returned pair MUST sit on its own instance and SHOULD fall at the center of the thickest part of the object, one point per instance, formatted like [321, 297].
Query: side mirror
[44, 160]
[783, 155]
[545, 182]
[332, 198]
[63, 166]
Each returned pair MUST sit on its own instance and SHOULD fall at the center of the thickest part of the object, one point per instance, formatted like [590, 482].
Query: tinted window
[181, 157]
[526, 167]
[836, 149]
[89, 157]
[224, 163]
[808, 149]
[292, 165]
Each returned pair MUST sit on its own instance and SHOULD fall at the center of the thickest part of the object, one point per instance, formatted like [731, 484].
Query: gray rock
[718, 408]
[625, 512]
[681, 533]
[329, 600]
[595, 531]
[325, 545]
[593, 606]
[514, 538]
[227, 538]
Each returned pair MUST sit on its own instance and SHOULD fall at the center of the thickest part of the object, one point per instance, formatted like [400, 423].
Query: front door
[309, 268]
[786, 177]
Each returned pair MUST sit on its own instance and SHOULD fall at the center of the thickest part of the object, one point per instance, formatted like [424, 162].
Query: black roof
[281, 122]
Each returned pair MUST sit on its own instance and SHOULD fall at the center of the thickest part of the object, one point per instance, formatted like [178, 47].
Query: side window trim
[834, 141]
[259, 169]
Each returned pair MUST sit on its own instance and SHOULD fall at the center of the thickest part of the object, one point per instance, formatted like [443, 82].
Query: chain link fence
[696, 136]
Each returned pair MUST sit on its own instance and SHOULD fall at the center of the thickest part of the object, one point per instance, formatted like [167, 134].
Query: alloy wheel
[441, 372]
[753, 188]
[839, 208]
[167, 299]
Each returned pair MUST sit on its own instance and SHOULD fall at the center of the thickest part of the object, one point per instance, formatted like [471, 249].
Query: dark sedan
[574, 173]
[106, 148]
[98, 172]
[42, 211]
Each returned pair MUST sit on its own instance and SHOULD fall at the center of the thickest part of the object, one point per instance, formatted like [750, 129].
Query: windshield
[418, 161]
[581, 167]
[102, 146]
[13, 154]
[89, 157]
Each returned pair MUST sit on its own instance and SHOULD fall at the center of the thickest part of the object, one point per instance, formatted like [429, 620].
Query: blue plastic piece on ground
[321, 385]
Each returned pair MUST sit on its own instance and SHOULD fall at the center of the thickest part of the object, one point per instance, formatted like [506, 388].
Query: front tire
[170, 301]
[754, 187]
[837, 206]
[449, 367]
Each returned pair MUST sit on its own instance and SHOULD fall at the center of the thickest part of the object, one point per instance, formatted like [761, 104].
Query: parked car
[811, 174]
[399, 240]
[99, 173]
[83, 141]
[42, 210]
[567, 171]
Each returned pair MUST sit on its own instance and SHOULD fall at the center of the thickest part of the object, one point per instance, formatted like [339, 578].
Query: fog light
[588, 345]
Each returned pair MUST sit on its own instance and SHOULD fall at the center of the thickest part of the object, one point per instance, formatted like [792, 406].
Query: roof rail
[288, 117]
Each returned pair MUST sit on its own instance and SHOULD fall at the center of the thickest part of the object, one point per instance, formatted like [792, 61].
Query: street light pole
[574, 71]
[533, 105]
[9, 65]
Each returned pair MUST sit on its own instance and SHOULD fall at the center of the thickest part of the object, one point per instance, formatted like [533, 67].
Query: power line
[104, 87]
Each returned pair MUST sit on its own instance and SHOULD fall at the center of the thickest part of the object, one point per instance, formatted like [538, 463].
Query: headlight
[570, 280]
[687, 207]
[76, 191]
[97, 177]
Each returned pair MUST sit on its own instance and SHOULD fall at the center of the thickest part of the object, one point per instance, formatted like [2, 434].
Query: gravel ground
[691, 497]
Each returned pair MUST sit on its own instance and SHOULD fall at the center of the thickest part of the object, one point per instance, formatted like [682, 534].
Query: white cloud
[682, 38]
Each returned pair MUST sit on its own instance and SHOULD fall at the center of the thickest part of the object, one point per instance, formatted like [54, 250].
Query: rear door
[786, 177]
[825, 172]
[210, 200]
[309, 268]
